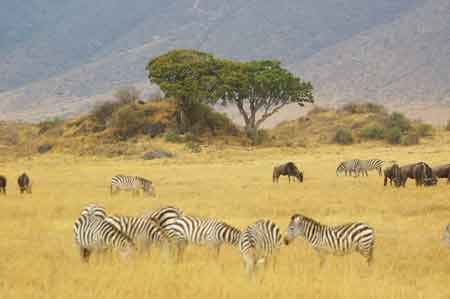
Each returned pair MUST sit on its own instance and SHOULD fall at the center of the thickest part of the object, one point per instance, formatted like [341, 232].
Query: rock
[157, 154]
[43, 148]
[154, 129]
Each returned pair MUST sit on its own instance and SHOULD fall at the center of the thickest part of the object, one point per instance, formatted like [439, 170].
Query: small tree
[127, 94]
[259, 89]
[343, 136]
[189, 76]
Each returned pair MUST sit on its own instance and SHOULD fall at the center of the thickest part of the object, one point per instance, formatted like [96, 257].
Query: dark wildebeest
[24, 183]
[421, 172]
[393, 173]
[288, 169]
[442, 171]
[2, 184]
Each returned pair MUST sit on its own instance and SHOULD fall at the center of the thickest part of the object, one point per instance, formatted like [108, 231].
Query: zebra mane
[304, 218]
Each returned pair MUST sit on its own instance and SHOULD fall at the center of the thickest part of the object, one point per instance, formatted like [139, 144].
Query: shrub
[204, 119]
[394, 135]
[373, 131]
[103, 112]
[343, 136]
[424, 130]
[193, 147]
[172, 136]
[262, 136]
[398, 120]
[358, 108]
[410, 139]
[447, 127]
[128, 122]
[48, 124]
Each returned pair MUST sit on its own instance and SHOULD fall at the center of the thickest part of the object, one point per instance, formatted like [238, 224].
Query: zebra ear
[297, 219]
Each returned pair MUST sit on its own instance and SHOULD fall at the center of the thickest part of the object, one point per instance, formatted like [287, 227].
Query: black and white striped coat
[165, 215]
[201, 231]
[337, 240]
[259, 241]
[363, 166]
[131, 183]
[347, 167]
[92, 233]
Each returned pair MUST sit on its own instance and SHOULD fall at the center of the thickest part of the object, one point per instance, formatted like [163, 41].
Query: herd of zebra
[421, 172]
[171, 230]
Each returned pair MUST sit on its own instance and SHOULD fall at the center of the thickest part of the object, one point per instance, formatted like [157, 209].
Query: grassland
[40, 260]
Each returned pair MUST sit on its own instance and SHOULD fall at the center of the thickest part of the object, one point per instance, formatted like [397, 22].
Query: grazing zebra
[94, 210]
[259, 241]
[347, 166]
[2, 185]
[131, 183]
[446, 236]
[363, 166]
[201, 231]
[92, 233]
[165, 215]
[24, 183]
[337, 240]
[141, 230]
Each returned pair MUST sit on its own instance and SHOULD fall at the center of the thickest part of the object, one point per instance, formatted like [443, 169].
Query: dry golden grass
[40, 260]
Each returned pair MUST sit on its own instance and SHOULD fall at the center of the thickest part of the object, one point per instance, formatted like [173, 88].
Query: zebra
[94, 210]
[259, 241]
[366, 165]
[142, 230]
[92, 233]
[131, 183]
[347, 166]
[337, 240]
[165, 215]
[446, 235]
[200, 231]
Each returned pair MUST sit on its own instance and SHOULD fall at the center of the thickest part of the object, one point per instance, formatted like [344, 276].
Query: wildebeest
[288, 169]
[393, 173]
[421, 172]
[24, 183]
[442, 171]
[2, 184]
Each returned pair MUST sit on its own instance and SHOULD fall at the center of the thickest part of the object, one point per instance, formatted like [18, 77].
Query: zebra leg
[85, 254]
[249, 261]
[321, 257]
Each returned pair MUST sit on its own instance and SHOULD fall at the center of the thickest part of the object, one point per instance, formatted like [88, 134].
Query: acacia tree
[259, 89]
[189, 76]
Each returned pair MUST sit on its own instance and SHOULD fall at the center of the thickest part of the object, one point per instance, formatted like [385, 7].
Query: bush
[394, 135]
[262, 136]
[103, 112]
[193, 147]
[410, 139]
[424, 130]
[128, 122]
[204, 119]
[48, 124]
[172, 136]
[343, 136]
[447, 127]
[358, 108]
[373, 131]
[398, 120]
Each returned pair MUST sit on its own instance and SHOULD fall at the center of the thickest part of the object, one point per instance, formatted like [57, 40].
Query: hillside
[77, 50]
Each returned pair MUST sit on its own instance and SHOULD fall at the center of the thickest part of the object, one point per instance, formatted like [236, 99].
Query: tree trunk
[183, 121]
[252, 133]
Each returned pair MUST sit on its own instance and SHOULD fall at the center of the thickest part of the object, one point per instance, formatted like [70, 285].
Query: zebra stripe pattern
[338, 240]
[259, 241]
[347, 167]
[131, 183]
[201, 231]
[92, 233]
[363, 166]
[94, 210]
[141, 230]
[165, 215]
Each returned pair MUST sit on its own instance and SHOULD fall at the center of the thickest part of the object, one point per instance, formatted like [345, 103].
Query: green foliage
[359, 108]
[372, 131]
[172, 136]
[394, 135]
[193, 147]
[343, 136]
[48, 124]
[424, 130]
[398, 120]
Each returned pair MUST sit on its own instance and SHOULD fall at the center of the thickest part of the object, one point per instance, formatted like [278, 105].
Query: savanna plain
[39, 258]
